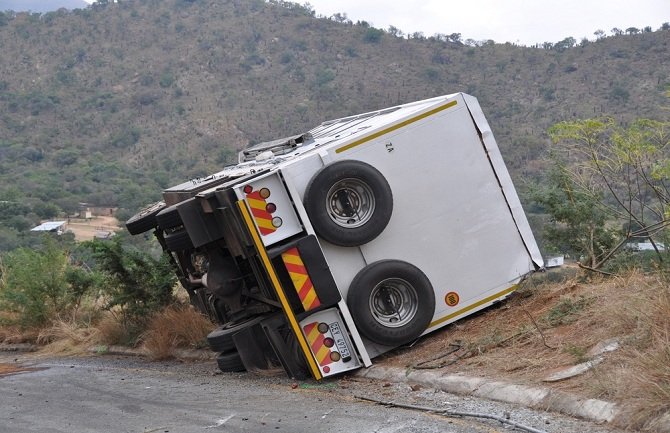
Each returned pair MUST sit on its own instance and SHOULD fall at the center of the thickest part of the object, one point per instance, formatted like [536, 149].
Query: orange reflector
[334, 356]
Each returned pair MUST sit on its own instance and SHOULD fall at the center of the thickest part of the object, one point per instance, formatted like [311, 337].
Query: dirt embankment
[614, 331]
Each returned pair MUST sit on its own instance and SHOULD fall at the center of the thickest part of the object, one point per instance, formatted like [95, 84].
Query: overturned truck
[321, 251]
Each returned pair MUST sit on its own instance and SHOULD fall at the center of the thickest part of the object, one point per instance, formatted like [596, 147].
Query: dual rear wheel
[350, 203]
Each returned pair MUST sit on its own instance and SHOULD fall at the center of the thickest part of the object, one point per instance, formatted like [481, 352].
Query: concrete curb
[18, 347]
[537, 398]
[191, 354]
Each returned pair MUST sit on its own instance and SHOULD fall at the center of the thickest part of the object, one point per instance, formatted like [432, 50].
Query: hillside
[110, 103]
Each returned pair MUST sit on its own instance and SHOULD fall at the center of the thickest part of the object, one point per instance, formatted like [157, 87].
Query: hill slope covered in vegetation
[111, 103]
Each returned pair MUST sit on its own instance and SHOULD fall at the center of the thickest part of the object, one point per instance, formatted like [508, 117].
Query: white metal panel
[450, 217]
[504, 179]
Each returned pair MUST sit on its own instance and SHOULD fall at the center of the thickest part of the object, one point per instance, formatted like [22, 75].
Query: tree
[616, 31]
[395, 31]
[340, 17]
[373, 35]
[455, 37]
[632, 30]
[599, 34]
[623, 171]
[136, 284]
[577, 221]
[564, 44]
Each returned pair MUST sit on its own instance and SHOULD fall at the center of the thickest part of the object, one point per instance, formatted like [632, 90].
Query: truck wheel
[178, 241]
[168, 218]
[230, 362]
[349, 203]
[392, 302]
[145, 219]
[221, 339]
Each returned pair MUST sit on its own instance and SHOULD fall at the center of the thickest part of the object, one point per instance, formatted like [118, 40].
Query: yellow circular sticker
[451, 299]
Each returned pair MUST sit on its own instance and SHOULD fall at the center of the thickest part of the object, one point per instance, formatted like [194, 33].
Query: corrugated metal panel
[48, 226]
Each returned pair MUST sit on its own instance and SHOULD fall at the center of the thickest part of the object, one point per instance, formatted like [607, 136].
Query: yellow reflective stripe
[278, 288]
[298, 279]
[313, 334]
[473, 306]
[265, 223]
[256, 204]
[292, 259]
[394, 127]
[322, 354]
[309, 298]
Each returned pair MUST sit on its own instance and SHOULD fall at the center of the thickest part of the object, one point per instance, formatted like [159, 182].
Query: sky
[525, 22]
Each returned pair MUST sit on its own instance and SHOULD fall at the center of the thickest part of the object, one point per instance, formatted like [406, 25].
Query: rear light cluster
[329, 343]
[264, 193]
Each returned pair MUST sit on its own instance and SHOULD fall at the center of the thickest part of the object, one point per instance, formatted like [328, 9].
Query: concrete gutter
[18, 347]
[191, 354]
[534, 397]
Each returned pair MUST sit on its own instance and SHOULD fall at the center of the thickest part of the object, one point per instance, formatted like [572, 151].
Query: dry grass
[547, 326]
[110, 329]
[10, 334]
[175, 327]
[68, 337]
[646, 381]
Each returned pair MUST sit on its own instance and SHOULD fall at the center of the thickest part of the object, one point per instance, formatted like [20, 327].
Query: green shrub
[135, 284]
[39, 285]
[373, 35]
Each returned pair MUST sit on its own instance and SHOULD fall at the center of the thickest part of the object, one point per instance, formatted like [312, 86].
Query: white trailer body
[450, 221]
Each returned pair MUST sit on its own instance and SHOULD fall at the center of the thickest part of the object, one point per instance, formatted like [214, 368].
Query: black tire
[221, 339]
[349, 203]
[169, 218]
[392, 302]
[145, 219]
[178, 241]
[230, 362]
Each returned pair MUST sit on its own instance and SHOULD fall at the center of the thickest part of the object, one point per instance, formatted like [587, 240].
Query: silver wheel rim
[350, 203]
[393, 302]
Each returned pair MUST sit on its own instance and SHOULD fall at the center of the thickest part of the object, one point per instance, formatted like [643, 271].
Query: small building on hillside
[645, 246]
[88, 211]
[57, 227]
[553, 262]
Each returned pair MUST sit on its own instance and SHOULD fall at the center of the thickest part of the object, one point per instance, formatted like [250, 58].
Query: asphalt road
[108, 394]
[127, 395]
